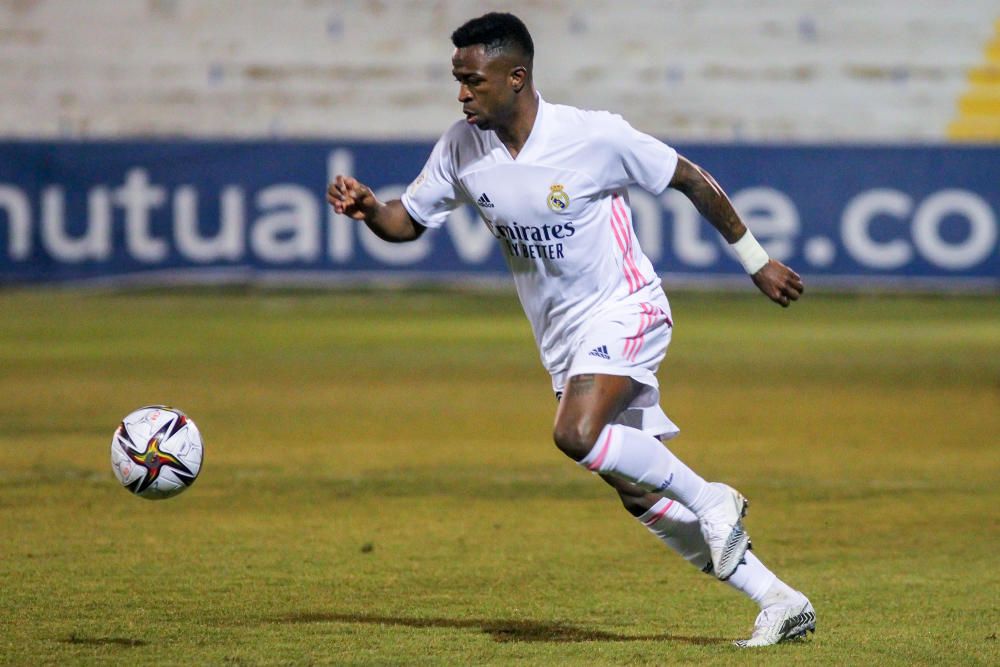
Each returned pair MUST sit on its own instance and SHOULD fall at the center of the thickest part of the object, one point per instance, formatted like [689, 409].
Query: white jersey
[560, 212]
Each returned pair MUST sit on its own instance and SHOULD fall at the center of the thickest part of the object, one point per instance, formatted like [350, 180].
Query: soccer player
[551, 184]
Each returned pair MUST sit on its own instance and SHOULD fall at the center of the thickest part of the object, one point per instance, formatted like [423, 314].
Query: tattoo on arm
[709, 198]
[580, 385]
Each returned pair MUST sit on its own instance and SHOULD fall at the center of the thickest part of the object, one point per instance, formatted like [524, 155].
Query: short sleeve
[638, 158]
[435, 192]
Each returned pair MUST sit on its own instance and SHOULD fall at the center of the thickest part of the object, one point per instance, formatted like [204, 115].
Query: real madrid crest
[558, 199]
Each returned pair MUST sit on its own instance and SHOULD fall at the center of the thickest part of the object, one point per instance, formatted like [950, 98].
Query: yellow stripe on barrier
[980, 102]
[987, 75]
[978, 118]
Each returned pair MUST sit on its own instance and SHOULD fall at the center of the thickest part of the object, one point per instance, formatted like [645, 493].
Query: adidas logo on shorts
[484, 201]
[601, 352]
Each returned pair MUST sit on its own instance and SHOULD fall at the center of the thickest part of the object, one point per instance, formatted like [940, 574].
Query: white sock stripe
[677, 528]
[653, 509]
[657, 513]
[642, 459]
[602, 447]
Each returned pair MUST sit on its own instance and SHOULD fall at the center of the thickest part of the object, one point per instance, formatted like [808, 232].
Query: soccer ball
[156, 452]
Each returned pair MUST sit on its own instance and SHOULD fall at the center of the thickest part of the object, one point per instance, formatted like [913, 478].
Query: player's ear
[517, 78]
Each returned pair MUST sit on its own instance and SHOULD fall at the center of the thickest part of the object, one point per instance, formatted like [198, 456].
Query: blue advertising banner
[193, 210]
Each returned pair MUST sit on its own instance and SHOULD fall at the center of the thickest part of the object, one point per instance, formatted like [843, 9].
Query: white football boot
[780, 622]
[722, 528]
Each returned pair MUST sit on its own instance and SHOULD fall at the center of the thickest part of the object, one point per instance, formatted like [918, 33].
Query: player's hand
[352, 198]
[779, 283]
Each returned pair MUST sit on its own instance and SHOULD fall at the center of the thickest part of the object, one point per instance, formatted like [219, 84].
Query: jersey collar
[535, 138]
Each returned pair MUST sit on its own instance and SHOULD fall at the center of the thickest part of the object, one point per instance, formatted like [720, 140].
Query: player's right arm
[777, 281]
[390, 220]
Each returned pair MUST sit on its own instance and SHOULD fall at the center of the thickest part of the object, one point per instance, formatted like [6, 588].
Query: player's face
[485, 86]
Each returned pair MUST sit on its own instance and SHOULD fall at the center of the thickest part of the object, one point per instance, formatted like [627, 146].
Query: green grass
[380, 485]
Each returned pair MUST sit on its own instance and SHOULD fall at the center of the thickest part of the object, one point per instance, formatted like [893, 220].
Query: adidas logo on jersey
[601, 352]
[484, 201]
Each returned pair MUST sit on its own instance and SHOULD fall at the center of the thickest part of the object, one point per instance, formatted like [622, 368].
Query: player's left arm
[774, 279]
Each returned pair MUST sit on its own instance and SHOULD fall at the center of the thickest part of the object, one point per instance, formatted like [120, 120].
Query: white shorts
[629, 340]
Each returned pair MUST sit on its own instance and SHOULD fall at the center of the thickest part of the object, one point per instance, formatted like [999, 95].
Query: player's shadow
[104, 641]
[520, 630]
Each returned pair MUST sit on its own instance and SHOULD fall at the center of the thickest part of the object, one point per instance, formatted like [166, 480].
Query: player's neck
[515, 134]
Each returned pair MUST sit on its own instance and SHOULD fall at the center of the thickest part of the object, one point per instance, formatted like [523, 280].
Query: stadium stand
[776, 70]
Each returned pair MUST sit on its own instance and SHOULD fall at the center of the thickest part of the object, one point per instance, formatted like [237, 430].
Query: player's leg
[679, 529]
[584, 432]
[636, 500]
[785, 613]
[663, 517]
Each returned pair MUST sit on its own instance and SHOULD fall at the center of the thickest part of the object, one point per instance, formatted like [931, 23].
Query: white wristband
[751, 254]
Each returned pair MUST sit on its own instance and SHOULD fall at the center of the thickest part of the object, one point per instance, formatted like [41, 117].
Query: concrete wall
[800, 70]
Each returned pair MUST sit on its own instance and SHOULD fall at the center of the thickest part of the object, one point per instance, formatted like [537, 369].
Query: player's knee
[575, 440]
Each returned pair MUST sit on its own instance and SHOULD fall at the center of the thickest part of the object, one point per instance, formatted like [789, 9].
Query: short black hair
[497, 32]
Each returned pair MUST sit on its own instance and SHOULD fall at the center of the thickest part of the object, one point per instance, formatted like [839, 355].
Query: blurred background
[175, 140]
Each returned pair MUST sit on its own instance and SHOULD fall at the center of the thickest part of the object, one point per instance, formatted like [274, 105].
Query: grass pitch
[380, 485]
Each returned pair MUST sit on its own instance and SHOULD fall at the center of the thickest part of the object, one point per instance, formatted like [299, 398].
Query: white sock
[640, 458]
[753, 579]
[677, 527]
[778, 592]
